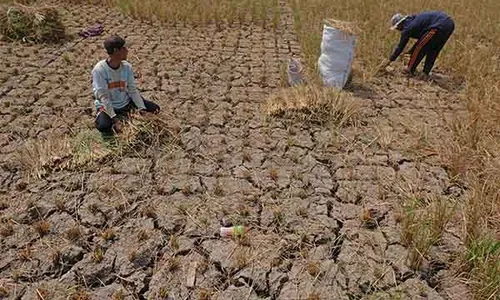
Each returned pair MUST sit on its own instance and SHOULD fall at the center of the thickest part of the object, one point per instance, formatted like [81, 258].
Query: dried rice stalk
[347, 27]
[313, 103]
[39, 24]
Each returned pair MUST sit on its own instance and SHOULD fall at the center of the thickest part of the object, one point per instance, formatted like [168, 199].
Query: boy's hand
[117, 125]
[139, 114]
[142, 112]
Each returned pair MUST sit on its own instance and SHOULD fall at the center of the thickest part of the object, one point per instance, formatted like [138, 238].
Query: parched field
[335, 198]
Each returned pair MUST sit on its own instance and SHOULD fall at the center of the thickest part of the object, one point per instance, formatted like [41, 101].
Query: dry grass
[98, 255]
[108, 234]
[173, 243]
[173, 264]
[25, 254]
[37, 158]
[313, 296]
[201, 12]
[42, 293]
[40, 24]
[6, 229]
[80, 295]
[80, 151]
[346, 27]
[149, 212]
[4, 292]
[132, 256]
[142, 235]
[273, 174]
[483, 263]
[205, 294]
[423, 224]
[219, 189]
[60, 204]
[74, 233]
[313, 268]
[118, 295]
[42, 228]
[146, 133]
[367, 219]
[56, 257]
[4, 205]
[313, 103]
[163, 293]
[241, 258]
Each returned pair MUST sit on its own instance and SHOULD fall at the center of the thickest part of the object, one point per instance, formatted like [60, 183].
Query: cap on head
[113, 44]
[396, 20]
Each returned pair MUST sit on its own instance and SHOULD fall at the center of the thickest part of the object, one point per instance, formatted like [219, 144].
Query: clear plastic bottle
[295, 72]
[235, 231]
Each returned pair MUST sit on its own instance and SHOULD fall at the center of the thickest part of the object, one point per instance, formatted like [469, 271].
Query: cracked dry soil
[131, 228]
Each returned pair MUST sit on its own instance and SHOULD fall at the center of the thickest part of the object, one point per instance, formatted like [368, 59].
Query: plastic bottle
[294, 73]
[236, 231]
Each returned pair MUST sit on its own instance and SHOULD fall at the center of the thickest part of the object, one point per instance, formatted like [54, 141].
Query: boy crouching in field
[114, 88]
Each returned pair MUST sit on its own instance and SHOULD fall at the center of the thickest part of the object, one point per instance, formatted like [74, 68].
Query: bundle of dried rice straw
[147, 132]
[39, 24]
[347, 27]
[312, 103]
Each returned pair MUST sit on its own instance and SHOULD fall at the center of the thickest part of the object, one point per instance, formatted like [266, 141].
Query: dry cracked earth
[138, 227]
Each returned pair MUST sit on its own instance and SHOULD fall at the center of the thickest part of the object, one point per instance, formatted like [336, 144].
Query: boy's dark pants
[104, 123]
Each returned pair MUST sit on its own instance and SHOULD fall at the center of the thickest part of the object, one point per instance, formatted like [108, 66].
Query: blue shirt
[415, 26]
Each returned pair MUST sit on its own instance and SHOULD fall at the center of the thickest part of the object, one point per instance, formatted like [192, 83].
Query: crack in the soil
[145, 289]
[150, 265]
[125, 215]
[63, 265]
[399, 276]
[282, 283]
[177, 229]
[5, 91]
[367, 288]
[261, 291]
[9, 179]
[339, 240]
[260, 209]
[200, 249]
[329, 208]
[152, 168]
[202, 184]
[429, 274]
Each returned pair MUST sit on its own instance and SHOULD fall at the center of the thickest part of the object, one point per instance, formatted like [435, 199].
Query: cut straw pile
[40, 24]
[346, 27]
[141, 136]
[145, 133]
[312, 103]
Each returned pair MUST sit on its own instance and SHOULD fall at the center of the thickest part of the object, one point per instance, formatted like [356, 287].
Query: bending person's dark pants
[104, 123]
[430, 45]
